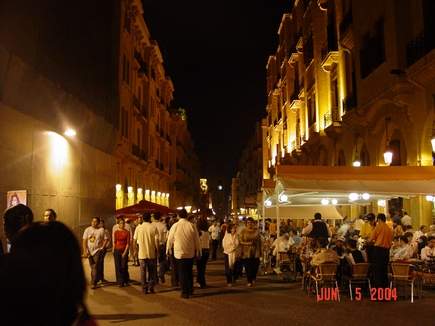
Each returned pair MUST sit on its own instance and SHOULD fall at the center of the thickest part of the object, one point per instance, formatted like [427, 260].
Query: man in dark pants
[382, 237]
[184, 238]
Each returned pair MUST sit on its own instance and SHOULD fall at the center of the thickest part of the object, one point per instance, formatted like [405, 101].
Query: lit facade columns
[130, 196]
[420, 211]
[119, 196]
[147, 195]
[153, 196]
[159, 198]
[139, 194]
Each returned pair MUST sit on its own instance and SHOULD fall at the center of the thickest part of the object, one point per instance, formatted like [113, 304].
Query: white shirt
[147, 238]
[184, 237]
[282, 245]
[427, 252]
[406, 220]
[214, 231]
[162, 231]
[94, 239]
[358, 224]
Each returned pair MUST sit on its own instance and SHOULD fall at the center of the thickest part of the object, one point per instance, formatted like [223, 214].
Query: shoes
[152, 290]
[126, 284]
[249, 285]
[94, 286]
[145, 291]
[185, 296]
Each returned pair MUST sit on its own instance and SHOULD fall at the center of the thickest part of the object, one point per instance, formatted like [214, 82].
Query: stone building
[351, 82]
[92, 69]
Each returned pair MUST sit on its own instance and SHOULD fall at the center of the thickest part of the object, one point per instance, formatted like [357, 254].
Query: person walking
[230, 244]
[147, 239]
[382, 237]
[160, 225]
[100, 277]
[204, 241]
[214, 230]
[121, 244]
[183, 236]
[250, 245]
[94, 240]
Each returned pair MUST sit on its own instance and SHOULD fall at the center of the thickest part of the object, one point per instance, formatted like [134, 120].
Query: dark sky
[215, 53]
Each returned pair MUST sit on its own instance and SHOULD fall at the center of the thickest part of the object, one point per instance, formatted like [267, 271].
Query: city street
[268, 303]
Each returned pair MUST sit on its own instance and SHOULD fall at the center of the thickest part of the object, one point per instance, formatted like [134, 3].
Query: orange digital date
[378, 294]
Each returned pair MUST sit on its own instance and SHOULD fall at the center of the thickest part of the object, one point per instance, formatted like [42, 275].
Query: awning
[398, 180]
[303, 212]
[142, 207]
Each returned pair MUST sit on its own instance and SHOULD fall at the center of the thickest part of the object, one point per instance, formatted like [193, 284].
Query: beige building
[48, 86]
[350, 81]
[155, 156]
[96, 71]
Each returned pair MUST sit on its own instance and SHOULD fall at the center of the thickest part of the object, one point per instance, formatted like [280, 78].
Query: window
[124, 122]
[372, 53]
[311, 107]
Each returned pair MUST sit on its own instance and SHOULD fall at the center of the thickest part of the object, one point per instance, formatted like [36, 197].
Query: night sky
[215, 53]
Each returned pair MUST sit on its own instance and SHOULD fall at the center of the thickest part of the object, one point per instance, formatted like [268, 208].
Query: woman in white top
[230, 243]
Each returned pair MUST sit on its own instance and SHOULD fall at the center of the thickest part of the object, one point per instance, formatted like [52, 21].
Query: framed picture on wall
[15, 197]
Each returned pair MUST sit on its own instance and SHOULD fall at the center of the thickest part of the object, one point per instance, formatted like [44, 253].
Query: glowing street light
[365, 196]
[324, 201]
[334, 201]
[353, 196]
[356, 163]
[283, 198]
[70, 132]
[268, 203]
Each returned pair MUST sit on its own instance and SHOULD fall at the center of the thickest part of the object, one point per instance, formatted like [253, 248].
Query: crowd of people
[174, 244]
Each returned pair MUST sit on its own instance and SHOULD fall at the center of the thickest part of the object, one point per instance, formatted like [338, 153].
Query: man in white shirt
[147, 239]
[406, 219]
[162, 231]
[94, 241]
[428, 252]
[184, 238]
[214, 231]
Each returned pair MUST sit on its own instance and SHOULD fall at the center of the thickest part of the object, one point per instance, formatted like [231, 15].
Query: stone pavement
[267, 303]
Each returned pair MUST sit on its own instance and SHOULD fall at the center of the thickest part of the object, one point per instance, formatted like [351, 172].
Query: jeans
[121, 267]
[229, 272]
[214, 247]
[100, 275]
[201, 265]
[148, 272]
[95, 263]
[163, 262]
[185, 272]
[174, 271]
[251, 267]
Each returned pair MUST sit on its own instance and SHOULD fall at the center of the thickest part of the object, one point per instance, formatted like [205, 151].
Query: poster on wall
[15, 197]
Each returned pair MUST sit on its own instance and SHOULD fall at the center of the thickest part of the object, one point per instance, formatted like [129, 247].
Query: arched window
[395, 148]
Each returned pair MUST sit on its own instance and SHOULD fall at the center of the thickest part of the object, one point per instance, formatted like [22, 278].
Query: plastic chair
[359, 276]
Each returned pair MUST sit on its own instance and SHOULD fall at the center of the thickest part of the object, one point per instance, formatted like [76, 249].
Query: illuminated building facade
[92, 68]
[350, 81]
[155, 156]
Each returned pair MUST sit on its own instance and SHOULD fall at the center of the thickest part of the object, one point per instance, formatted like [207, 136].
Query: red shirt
[121, 239]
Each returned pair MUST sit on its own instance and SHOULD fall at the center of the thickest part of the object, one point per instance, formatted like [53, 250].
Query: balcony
[142, 71]
[332, 123]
